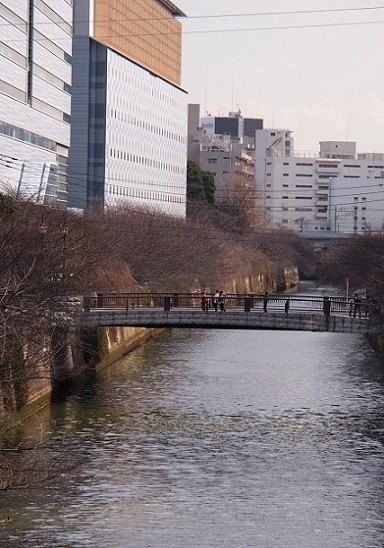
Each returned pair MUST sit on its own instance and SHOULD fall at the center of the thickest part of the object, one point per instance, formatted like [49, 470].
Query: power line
[217, 31]
[217, 16]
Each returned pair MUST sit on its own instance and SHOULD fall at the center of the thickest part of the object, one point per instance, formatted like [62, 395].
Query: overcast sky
[319, 74]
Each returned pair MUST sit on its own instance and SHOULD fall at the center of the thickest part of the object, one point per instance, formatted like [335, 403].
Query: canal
[211, 439]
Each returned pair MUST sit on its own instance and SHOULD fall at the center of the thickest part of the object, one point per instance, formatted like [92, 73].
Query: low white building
[333, 190]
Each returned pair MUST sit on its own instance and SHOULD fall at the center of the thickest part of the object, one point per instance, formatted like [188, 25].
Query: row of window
[297, 198]
[145, 88]
[27, 136]
[53, 112]
[52, 47]
[13, 55]
[335, 166]
[143, 161]
[53, 16]
[114, 190]
[142, 124]
[51, 78]
[12, 18]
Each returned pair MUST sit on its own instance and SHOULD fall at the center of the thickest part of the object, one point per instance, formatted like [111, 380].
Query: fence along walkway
[243, 311]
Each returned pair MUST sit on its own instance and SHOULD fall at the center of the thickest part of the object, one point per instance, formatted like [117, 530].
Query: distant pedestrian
[265, 301]
[221, 299]
[327, 306]
[356, 305]
[215, 300]
[369, 309]
[286, 307]
[204, 302]
[350, 309]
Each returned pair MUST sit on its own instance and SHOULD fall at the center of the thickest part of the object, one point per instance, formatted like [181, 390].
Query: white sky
[322, 82]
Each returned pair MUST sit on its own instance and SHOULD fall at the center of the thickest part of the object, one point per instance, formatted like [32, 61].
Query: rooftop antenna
[205, 98]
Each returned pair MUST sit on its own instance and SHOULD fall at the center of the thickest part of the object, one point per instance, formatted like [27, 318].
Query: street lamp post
[64, 232]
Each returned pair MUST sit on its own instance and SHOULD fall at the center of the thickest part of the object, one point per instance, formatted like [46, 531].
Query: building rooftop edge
[172, 8]
[109, 47]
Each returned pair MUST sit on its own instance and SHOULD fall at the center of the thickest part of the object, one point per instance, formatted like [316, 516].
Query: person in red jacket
[204, 302]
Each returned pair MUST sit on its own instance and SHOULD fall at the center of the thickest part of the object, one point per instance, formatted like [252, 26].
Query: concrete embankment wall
[29, 387]
[121, 341]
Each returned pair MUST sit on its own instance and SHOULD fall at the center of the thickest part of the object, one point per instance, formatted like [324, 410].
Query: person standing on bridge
[222, 301]
[356, 305]
[327, 306]
[215, 299]
[265, 301]
[204, 302]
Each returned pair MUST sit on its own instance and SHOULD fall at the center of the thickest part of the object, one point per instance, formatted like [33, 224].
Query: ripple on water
[230, 440]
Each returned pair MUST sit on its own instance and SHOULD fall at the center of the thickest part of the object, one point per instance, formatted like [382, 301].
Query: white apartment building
[129, 127]
[35, 98]
[333, 190]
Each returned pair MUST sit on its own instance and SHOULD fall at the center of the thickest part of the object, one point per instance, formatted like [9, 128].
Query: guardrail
[168, 301]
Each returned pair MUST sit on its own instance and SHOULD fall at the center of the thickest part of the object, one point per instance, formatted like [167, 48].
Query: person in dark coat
[356, 305]
[327, 306]
[222, 301]
[265, 300]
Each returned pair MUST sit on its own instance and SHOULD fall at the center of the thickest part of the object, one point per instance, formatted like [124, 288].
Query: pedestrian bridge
[183, 310]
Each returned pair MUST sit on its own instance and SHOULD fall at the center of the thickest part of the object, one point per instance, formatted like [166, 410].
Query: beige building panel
[145, 31]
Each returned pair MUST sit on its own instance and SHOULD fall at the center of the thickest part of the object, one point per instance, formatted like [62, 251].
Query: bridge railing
[239, 301]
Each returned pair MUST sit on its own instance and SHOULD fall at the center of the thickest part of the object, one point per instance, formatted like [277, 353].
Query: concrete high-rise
[129, 126]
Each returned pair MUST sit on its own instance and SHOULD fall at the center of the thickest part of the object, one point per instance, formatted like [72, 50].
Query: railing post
[167, 304]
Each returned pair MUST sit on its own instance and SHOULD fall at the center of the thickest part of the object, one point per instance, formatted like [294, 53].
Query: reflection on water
[210, 439]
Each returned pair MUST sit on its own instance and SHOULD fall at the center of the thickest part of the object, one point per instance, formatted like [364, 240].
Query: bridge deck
[183, 310]
[232, 319]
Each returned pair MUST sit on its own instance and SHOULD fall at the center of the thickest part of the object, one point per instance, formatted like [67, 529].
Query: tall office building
[129, 123]
[35, 98]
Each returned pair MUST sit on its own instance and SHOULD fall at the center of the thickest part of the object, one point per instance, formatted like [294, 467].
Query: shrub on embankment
[359, 261]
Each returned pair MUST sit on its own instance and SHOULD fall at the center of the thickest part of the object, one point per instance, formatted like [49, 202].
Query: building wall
[146, 138]
[132, 140]
[146, 31]
[358, 207]
[194, 133]
[35, 85]
[327, 192]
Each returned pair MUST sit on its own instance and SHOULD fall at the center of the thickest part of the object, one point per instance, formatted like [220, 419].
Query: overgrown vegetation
[48, 255]
[361, 260]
